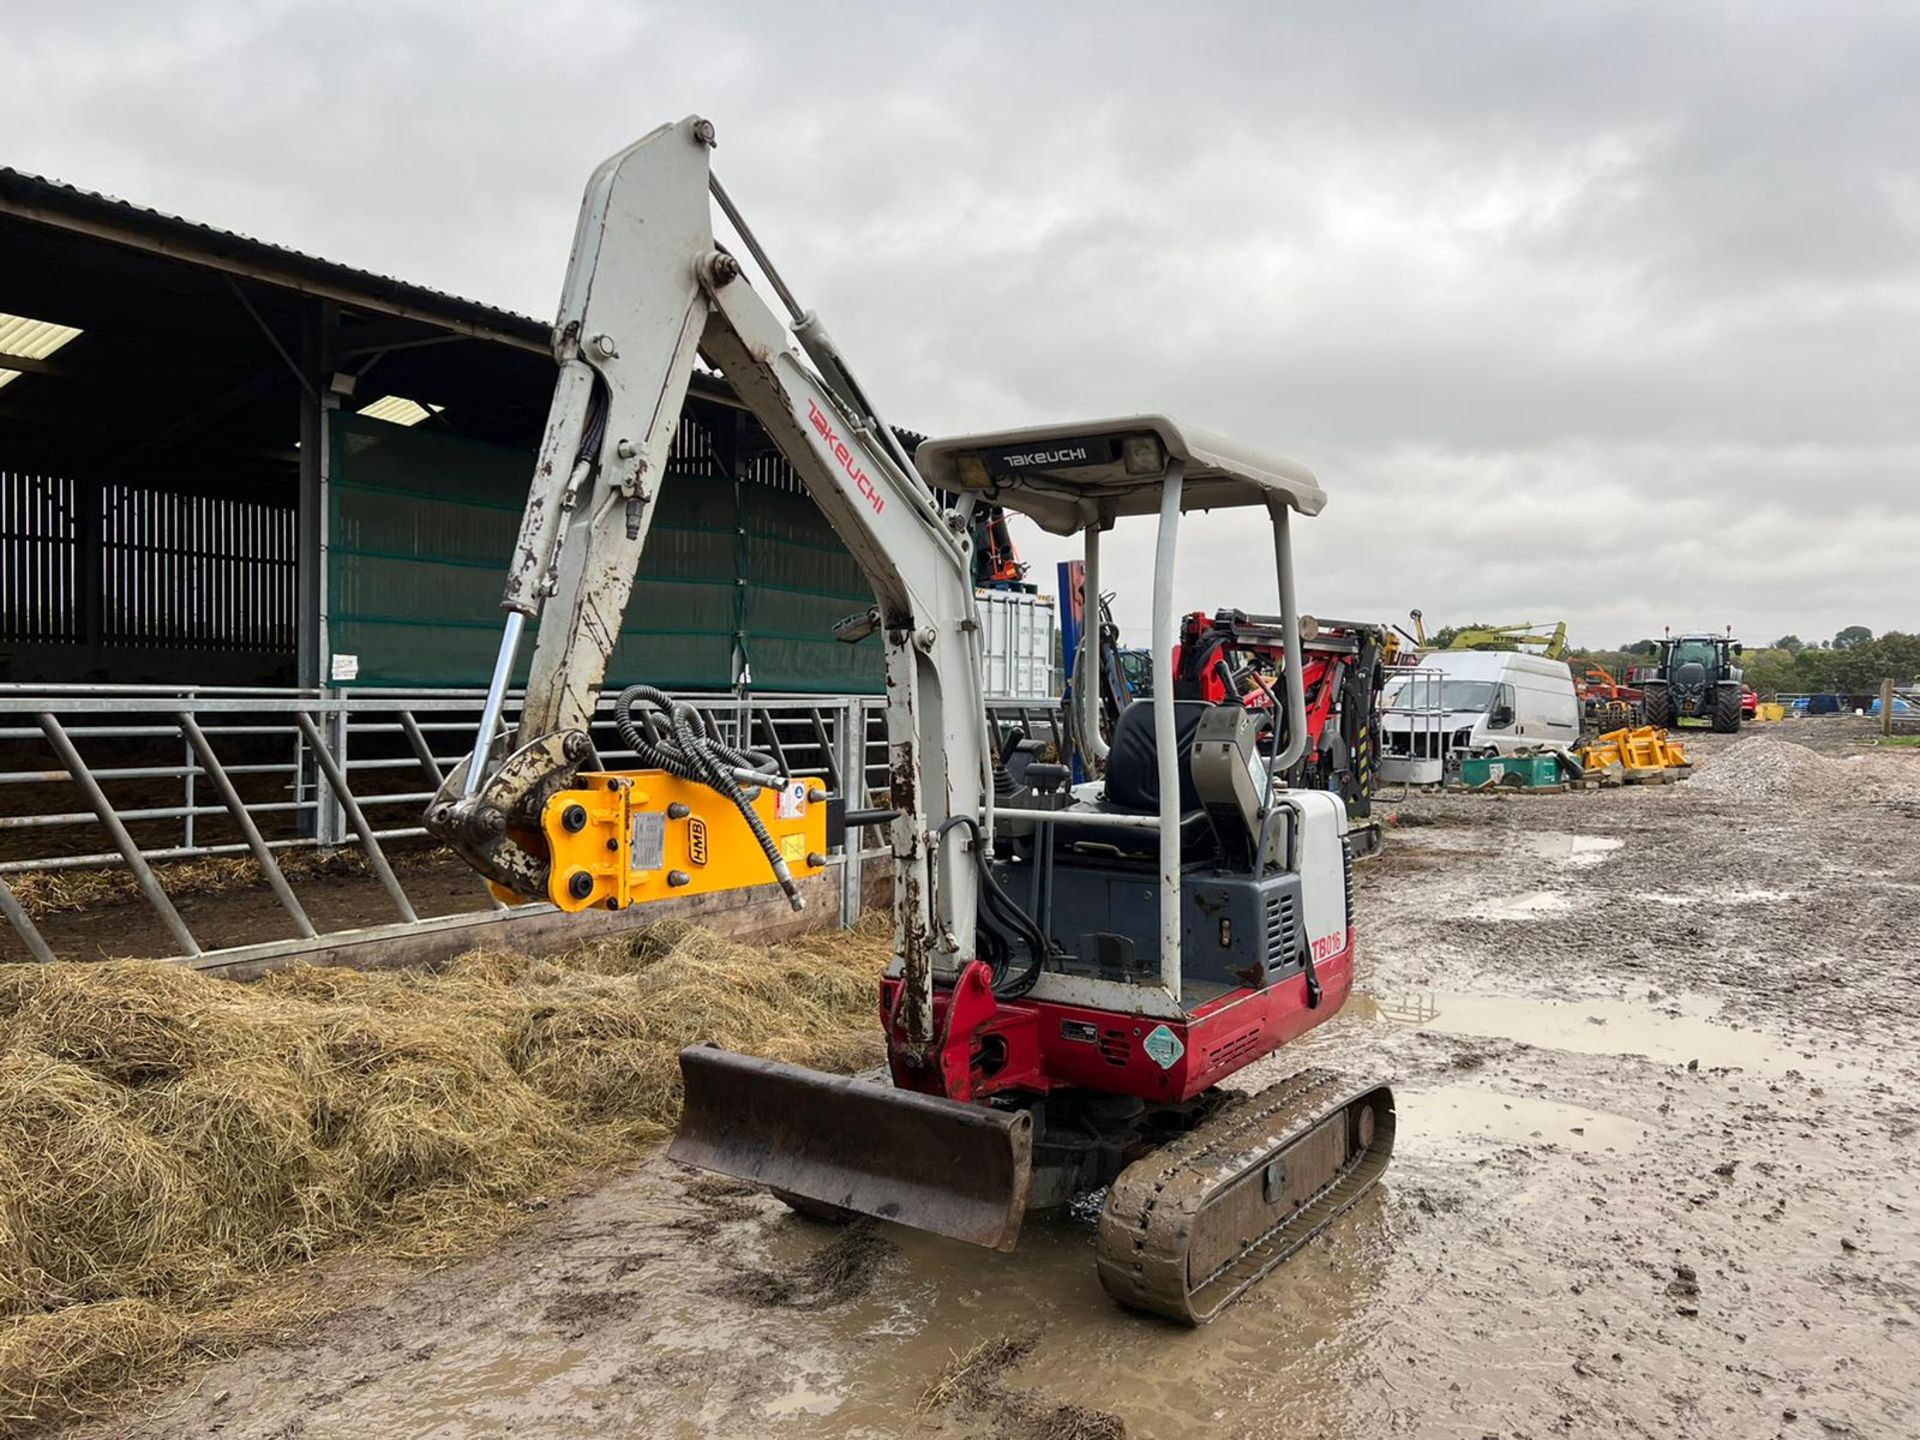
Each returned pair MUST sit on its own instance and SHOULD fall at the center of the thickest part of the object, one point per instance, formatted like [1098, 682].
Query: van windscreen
[1455, 695]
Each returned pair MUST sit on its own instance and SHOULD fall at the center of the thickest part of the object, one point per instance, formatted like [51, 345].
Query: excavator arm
[1552, 643]
[648, 290]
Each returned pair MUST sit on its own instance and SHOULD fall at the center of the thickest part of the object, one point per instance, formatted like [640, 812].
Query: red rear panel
[1037, 1046]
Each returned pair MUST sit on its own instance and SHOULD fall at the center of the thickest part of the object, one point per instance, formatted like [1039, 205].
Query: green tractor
[1697, 679]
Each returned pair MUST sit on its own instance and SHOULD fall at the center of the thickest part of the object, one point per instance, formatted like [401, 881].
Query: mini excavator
[1078, 968]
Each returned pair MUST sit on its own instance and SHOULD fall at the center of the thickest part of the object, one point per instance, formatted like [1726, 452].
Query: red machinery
[1607, 702]
[996, 561]
[1233, 656]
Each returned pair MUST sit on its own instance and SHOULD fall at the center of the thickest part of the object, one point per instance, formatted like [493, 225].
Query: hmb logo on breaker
[837, 448]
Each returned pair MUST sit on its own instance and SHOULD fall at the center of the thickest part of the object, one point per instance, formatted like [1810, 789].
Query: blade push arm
[647, 289]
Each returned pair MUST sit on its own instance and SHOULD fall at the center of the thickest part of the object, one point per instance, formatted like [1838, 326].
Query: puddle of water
[1672, 1030]
[1564, 845]
[478, 1381]
[1749, 896]
[1431, 1117]
[1530, 906]
[1262, 1370]
[804, 1397]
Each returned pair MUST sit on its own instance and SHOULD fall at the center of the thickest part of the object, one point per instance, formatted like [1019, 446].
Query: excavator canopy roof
[1066, 476]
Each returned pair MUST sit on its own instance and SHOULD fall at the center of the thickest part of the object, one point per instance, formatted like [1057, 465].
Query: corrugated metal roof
[88, 212]
[51, 202]
[29, 339]
[398, 410]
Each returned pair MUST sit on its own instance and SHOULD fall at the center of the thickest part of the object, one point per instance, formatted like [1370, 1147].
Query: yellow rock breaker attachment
[624, 838]
[1641, 754]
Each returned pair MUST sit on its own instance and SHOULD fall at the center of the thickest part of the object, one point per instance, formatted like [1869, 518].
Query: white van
[1491, 701]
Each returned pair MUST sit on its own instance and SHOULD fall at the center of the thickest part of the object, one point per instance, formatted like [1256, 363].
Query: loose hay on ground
[42, 893]
[972, 1386]
[169, 1142]
[841, 1270]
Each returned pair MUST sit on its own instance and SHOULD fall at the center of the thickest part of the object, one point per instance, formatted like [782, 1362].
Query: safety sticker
[793, 847]
[792, 804]
[1163, 1047]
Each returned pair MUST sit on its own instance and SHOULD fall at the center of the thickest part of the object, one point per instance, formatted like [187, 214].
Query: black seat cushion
[1133, 764]
[1197, 840]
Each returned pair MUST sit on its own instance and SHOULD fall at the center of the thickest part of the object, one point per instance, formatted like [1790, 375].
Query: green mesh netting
[421, 525]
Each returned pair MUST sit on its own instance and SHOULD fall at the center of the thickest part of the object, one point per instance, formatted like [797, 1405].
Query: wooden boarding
[760, 913]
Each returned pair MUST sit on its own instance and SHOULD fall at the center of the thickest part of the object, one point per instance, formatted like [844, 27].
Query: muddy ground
[1655, 1053]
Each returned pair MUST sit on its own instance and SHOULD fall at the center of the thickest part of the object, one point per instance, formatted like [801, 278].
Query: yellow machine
[627, 837]
[1640, 753]
[1552, 643]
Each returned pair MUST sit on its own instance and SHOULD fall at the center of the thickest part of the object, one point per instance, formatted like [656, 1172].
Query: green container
[1524, 772]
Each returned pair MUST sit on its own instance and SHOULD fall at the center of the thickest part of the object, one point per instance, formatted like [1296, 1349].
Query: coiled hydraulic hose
[694, 752]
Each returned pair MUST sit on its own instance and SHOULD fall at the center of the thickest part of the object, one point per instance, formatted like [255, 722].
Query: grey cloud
[1602, 311]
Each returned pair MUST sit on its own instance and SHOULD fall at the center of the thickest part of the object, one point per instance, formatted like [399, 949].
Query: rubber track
[1150, 1215]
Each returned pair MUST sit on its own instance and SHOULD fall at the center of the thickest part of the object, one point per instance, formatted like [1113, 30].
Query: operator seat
[1133, 788]
[1133, 757]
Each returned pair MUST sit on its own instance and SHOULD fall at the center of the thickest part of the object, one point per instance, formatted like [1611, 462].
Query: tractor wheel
[1659, 709]
[1726, 709]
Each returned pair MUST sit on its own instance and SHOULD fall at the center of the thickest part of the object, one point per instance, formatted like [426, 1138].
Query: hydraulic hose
[695, 753]
[1001, 920]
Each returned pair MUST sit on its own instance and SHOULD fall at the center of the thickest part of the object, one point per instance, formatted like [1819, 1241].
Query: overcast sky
[1595, 312]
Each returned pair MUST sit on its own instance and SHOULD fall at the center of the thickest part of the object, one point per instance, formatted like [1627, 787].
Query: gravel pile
[1760, 766]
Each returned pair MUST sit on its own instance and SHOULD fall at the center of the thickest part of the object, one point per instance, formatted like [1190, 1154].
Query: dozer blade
[920, 1160]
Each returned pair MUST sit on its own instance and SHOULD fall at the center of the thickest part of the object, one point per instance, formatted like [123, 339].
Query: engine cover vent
[1283, 931]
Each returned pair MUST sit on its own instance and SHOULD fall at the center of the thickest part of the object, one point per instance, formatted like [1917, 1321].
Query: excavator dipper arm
[648, 289]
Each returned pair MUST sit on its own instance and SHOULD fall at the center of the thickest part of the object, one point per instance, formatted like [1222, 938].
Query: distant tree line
[1853, 662]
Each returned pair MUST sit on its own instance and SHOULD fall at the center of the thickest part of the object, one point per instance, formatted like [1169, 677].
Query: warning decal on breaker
[793, 847]
[792, 804]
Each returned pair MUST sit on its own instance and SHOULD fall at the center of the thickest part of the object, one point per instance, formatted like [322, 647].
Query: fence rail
[93, 776]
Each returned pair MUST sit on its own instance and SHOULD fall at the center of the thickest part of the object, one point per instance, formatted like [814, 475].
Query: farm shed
[229, 463]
